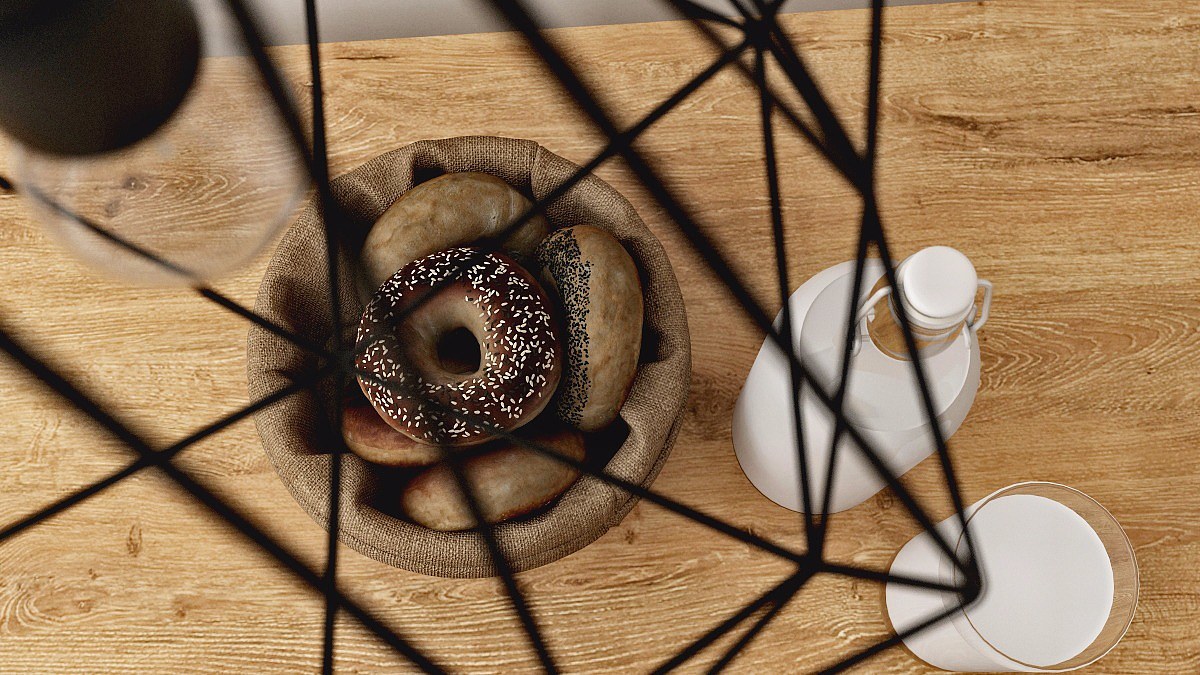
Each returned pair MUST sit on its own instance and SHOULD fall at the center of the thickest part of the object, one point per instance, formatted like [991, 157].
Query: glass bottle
[937, 286]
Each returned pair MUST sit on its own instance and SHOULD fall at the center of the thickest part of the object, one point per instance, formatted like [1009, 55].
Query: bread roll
[507, 481]
[369, 437]
[451, 210]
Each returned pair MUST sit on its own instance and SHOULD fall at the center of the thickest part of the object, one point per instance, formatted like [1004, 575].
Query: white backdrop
[343, 20]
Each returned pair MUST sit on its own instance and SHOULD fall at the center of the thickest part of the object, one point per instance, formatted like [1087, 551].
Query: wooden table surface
[1057, 143]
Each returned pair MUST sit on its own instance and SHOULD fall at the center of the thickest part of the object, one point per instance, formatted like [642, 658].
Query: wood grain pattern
[1057, 143]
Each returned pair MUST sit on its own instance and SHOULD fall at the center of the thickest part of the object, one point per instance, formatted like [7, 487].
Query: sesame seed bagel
[508, 379]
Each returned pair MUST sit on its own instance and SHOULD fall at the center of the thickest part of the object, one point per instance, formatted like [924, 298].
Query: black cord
[56, 383]
[829, 139]
[707, 249]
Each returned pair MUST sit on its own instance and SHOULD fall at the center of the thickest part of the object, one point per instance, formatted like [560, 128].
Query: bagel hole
[458, 351]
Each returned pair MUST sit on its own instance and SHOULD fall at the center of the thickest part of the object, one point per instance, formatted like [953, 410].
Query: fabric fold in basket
[295, 294]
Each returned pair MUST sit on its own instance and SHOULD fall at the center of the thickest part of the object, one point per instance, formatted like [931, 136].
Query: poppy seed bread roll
[597, 284]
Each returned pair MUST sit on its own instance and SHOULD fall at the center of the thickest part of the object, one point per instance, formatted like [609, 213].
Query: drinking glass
[1060, 584]
[204, 193]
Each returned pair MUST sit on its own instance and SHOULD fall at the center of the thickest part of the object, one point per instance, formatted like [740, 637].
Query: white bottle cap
[938, 286]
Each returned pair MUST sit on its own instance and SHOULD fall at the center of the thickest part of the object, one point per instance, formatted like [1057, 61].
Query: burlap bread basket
[294, 293]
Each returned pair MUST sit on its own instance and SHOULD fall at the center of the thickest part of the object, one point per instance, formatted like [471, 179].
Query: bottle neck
[930, 334]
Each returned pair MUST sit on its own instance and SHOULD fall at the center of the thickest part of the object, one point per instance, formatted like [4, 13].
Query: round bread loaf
[451, 210]
[402, 341]
[598, 286]
[369, 437]
[507, 482]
